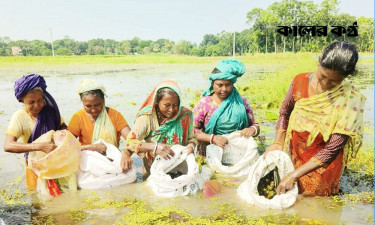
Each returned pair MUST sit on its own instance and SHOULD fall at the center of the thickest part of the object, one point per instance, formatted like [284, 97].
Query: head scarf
[103, 127]
[229, 69]
[231, 114]
[90, 85]
[173, 131]
[49, 117]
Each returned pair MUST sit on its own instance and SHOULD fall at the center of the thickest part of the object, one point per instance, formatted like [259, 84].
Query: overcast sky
[124, 19]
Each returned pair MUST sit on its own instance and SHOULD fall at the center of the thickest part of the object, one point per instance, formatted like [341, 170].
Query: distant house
[16, 51]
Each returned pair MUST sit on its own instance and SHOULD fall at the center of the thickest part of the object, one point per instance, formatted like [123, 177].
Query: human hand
[164, 151]
[45, 147]
[220, 141]
[99, 147]
[285, 184]
[272, 147]
[190, 149]
[126, 161]
[248, 132]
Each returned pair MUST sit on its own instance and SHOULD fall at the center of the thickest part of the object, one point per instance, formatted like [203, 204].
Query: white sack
[98, 171]
[240, 151]
[248, 190]
[163, 185]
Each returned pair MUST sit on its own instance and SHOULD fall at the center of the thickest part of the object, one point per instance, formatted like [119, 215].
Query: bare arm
[11, 145]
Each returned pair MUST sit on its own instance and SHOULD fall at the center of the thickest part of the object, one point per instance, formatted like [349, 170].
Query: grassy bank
[271, 58]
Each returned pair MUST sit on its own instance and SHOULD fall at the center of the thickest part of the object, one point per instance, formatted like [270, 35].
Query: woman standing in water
[321, 123]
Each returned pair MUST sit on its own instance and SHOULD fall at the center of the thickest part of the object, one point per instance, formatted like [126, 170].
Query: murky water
[127, 86]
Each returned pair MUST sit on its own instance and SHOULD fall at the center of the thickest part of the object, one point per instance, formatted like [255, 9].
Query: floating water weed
[76, 215]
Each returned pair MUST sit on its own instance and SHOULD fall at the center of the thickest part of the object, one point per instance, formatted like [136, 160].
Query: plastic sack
[163, 184]
[248, 189]
[240, 151]
[61, 162]
[103, 171]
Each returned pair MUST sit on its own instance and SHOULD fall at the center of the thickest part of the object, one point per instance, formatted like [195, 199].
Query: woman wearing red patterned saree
[320, 123]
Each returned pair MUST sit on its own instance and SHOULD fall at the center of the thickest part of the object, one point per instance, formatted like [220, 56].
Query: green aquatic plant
[76, 215]
[11, 194]
[43, 220]
[201, 161]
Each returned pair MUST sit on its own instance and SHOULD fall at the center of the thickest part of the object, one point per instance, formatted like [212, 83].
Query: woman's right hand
[164, 151]
[220, 141]
[45, 147]
[100, 147]
[272, 147]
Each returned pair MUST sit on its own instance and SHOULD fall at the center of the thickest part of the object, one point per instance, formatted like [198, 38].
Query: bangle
[156, 146]
[212, 138]
[256, 130]
[192, 145]
[290, 179]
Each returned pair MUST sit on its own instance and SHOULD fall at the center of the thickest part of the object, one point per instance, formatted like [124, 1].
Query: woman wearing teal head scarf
[222, 110]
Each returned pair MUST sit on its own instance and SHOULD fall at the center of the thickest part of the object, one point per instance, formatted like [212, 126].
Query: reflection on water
[127, 86]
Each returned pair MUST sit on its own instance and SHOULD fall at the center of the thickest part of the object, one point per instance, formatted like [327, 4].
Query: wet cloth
[57, 167]
[81, 126]
[240, 152]
[248, 190]
[103, 171]
[164, 185]
[175, 131]
[231, 114]
[313, 121]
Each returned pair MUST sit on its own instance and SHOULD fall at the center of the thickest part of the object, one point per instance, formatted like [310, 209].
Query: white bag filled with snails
[103, 171]
[240, 152]
[248, 190]
[162, 183]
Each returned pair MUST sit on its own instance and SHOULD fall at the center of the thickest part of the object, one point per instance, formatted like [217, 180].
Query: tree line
[261, 37]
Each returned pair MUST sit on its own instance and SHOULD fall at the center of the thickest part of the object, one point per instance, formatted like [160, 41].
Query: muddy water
[127, 86]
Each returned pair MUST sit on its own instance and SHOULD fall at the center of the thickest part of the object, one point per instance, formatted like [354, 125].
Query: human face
[93, 105]
[169, 105]
[34, 103]
[328, 78]
[222, 88]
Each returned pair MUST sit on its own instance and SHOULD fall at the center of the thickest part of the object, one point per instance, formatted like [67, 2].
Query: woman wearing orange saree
[321, 123]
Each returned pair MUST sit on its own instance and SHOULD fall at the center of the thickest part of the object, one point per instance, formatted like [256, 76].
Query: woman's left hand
[248, 132]
[126, 161]
[286, 184]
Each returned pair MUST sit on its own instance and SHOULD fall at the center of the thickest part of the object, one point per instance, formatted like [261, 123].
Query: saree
[177, 130]
[231, 114]
[313, 120]
[48, 119]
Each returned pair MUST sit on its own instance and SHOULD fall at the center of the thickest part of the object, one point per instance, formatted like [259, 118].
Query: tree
[182, 48]
[96, 47]
[5, 49]
[209, 39]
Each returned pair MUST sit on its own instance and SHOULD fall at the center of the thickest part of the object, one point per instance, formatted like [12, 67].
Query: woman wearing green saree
[161, 122]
